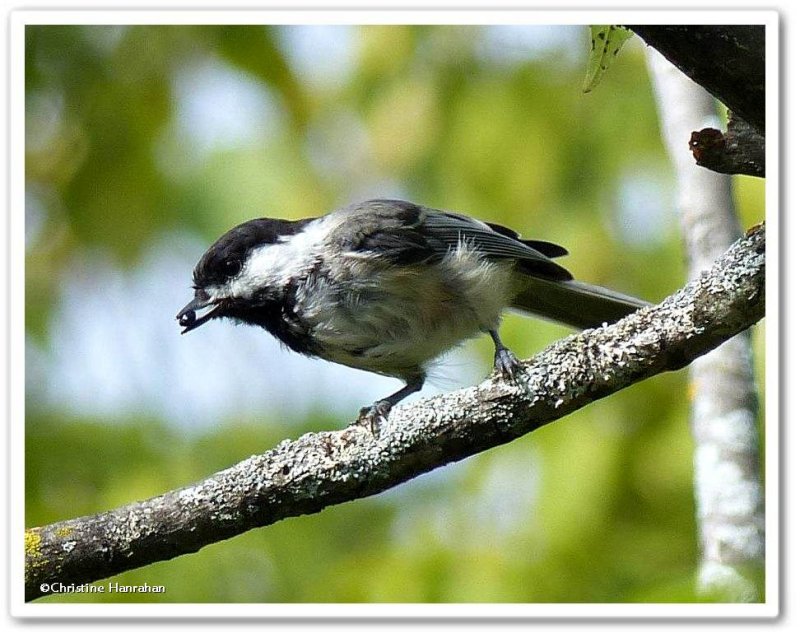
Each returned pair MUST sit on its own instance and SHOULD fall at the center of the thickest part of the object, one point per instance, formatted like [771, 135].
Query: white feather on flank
[485, 285]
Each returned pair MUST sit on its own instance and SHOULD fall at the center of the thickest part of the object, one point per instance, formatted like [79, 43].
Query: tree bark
[326, 468]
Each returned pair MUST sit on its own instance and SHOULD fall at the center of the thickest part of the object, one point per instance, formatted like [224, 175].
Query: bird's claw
[373, 416]
[507, 364]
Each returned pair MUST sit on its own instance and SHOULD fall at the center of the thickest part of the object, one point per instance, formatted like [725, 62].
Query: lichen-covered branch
[326, 468]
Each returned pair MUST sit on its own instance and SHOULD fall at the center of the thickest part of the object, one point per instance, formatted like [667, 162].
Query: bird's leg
[504, 360]
[372, 414]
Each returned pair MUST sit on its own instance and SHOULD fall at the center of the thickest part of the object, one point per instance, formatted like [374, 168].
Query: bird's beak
[187, 317]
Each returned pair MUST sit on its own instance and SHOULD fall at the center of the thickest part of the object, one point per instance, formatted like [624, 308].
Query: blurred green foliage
[595, 508]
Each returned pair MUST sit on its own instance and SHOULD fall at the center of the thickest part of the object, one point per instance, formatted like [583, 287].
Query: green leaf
[607, 41]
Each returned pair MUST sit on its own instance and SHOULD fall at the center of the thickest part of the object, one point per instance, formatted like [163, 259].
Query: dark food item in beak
[187, 317]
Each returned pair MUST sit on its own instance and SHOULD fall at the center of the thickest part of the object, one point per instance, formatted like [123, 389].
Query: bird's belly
[405, 316]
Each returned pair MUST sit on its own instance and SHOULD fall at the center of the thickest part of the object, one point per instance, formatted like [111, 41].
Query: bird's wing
[406, 233]
[495, 241]
[547, 248]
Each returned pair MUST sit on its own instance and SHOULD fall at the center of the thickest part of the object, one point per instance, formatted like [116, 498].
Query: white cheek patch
[273, 265]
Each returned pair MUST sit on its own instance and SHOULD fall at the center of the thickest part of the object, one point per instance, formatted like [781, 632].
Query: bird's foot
[507, 364]
[373, 416]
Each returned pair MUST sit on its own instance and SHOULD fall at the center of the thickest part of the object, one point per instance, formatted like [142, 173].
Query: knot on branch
[738, 151]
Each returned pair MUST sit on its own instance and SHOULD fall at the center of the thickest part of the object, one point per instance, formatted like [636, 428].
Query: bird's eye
[231, 267]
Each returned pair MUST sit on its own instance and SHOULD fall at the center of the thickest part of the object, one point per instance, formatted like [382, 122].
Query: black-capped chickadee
[388, 286]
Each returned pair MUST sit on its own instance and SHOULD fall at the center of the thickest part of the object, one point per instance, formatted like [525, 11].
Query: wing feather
[452, 229]
[405, 233]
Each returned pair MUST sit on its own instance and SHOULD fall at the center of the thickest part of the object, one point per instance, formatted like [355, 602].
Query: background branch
[326, 468]
[728, 489]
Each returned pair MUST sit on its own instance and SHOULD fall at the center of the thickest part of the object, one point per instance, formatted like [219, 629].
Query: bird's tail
[572, 302]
